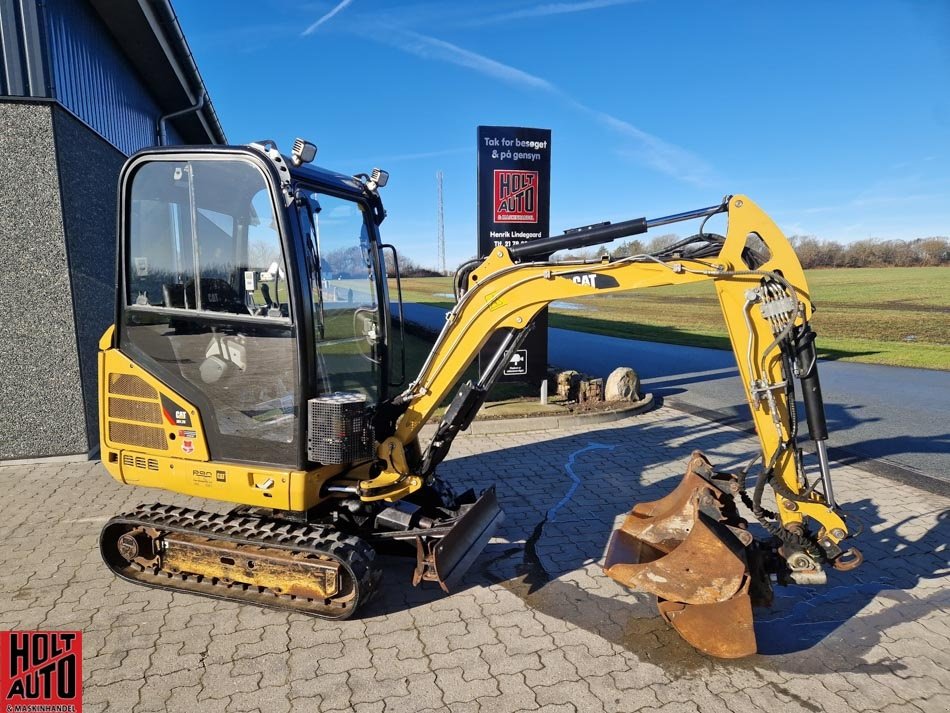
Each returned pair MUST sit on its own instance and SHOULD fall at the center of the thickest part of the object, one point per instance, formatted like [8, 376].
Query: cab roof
[281, 163]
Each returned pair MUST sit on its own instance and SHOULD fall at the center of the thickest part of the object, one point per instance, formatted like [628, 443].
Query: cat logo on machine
[598, 282]
[516, 196]
[175, 414]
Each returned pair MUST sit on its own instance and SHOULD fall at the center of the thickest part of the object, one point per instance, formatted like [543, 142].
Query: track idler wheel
[688, 549]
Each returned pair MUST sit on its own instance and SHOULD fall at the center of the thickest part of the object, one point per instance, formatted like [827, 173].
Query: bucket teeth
[686, 549]
[690, 483]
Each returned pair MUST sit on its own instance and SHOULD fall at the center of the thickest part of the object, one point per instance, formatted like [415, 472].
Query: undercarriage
[322, 563]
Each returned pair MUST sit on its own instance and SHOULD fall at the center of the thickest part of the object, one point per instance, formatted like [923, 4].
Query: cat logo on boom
[598, 282]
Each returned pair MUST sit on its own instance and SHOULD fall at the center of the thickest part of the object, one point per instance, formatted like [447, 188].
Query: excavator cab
[251, 361]
[250, 286]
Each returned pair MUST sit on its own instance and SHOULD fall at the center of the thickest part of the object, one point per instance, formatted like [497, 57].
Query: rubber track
[355, 556]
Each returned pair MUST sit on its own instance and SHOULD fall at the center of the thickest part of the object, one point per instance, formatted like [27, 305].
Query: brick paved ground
[535, 628]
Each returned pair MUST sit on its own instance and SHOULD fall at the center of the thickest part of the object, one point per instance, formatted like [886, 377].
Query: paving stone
[456, 689]
[937, 703]
[272, 699]
[577, 693]
[389, 663]
[272, 667]
[424, 694]
[331, 688]
[366, 688]
[219, 681]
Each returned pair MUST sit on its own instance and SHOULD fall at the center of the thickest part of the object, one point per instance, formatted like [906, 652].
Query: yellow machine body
[141, 444]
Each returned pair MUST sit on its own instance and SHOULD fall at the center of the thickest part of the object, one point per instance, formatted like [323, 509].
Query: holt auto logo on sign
[516, 196]
[40, 672]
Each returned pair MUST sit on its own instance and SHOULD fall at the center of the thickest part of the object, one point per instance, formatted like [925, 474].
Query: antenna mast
[441, 227]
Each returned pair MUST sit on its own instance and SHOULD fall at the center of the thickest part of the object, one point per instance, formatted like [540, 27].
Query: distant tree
[661, 241]
[631, 247]
[871, 252]
[933, 251]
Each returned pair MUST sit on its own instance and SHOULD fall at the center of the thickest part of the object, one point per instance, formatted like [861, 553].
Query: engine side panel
[151, 436]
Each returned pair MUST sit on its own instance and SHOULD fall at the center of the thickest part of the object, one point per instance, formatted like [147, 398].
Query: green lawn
[896, 316]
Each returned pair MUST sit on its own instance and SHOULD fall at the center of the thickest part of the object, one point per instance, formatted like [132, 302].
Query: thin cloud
[442, 51]
[336, 10]
[419, 156]
[422, 155]
[655, 152]
[548, 9]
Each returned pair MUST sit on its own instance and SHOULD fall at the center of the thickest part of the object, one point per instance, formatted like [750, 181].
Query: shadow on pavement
[549, 571]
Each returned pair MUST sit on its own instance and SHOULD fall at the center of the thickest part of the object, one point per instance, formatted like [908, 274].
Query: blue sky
[833, 116]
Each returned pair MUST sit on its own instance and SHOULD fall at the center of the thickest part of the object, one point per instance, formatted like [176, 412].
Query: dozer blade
[680, 549]
[446, 559]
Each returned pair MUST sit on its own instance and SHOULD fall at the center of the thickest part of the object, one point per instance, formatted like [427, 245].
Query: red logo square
[41, 670]
[516, 196]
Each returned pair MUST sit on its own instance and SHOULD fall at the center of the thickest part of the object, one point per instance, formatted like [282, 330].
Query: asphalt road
[890, 419]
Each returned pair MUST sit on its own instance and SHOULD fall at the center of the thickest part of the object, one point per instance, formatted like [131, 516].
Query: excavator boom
[677, 546]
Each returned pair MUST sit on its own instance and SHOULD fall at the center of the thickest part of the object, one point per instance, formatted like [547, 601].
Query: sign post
[514, 206]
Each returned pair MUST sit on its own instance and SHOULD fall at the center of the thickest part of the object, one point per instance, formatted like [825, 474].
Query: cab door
[206, 300]
[350, 328]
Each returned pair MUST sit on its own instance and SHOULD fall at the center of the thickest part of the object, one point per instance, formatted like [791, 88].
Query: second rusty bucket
[683, 549]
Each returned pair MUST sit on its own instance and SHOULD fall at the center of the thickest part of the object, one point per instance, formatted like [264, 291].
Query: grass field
[896, 316]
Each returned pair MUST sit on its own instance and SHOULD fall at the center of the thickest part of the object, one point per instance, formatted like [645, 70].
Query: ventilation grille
[134, 435]
[139, 462]
[339, 429]
[129, 410]
[147, 429]
[129, 385]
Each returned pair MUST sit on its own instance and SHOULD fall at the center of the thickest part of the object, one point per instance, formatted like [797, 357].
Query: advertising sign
[514, 206]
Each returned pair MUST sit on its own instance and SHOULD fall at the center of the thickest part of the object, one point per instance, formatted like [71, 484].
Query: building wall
[42, 411]
[92, 78]
[71, 109]
[88, 173]
[23, 69]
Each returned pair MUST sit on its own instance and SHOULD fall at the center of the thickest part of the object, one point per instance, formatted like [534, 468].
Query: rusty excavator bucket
[689, 549]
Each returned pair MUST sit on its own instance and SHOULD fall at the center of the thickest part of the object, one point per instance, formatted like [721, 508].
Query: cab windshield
[346, 316]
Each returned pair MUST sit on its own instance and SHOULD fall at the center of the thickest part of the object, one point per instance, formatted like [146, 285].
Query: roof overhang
[148, 33]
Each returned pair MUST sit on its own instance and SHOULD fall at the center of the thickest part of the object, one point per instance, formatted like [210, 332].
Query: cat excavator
[254, 361]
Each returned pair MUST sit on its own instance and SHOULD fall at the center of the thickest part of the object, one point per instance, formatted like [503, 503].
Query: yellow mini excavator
[252, 361]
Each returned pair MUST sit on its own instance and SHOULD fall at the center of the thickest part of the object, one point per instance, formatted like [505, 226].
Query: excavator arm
[766, 306]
